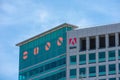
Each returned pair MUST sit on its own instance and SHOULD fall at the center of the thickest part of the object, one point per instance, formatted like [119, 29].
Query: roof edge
[46, 32]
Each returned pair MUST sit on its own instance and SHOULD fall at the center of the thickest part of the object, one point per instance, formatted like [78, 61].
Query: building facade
[64, 53]
[94, 53]
[43, 57]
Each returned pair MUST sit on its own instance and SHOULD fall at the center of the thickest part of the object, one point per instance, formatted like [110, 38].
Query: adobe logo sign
[72, 43]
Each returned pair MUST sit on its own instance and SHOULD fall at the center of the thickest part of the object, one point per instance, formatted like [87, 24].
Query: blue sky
[22, 19]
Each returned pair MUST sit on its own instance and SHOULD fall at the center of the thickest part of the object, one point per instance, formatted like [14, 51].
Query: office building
[67, 53]
[43, 57]
[94, 53]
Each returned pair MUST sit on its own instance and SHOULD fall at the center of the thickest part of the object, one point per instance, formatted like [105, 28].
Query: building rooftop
[46, 32]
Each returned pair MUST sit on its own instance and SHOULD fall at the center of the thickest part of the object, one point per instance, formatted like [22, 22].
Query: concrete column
[97, 42]
[116, 40]
[87, 43]
[107, 40]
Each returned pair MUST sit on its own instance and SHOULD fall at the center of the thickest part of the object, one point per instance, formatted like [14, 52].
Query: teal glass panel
[43, 55]
[112, 69]
[47, 67]
[102, 70]
[101, 56]
[41, 42]
[57, 76]
[118, 54]
[82, 72]
[92, 58]
[72, 73]
[72, 59]
[92, 71]
[82, 59]
[62, 79]
[111, 55]
[119, 67]
[23, 76]
[112, 78]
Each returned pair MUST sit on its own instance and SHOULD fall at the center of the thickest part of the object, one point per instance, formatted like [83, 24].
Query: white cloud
[43, 16]
[21, 12]
[84, 23]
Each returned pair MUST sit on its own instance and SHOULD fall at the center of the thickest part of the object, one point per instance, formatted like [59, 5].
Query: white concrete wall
[95, 31]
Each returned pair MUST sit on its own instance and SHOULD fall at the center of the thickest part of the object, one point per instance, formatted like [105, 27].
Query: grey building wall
[87, 32]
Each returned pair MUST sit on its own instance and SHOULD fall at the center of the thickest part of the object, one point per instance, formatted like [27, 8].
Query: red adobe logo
[72, 41]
